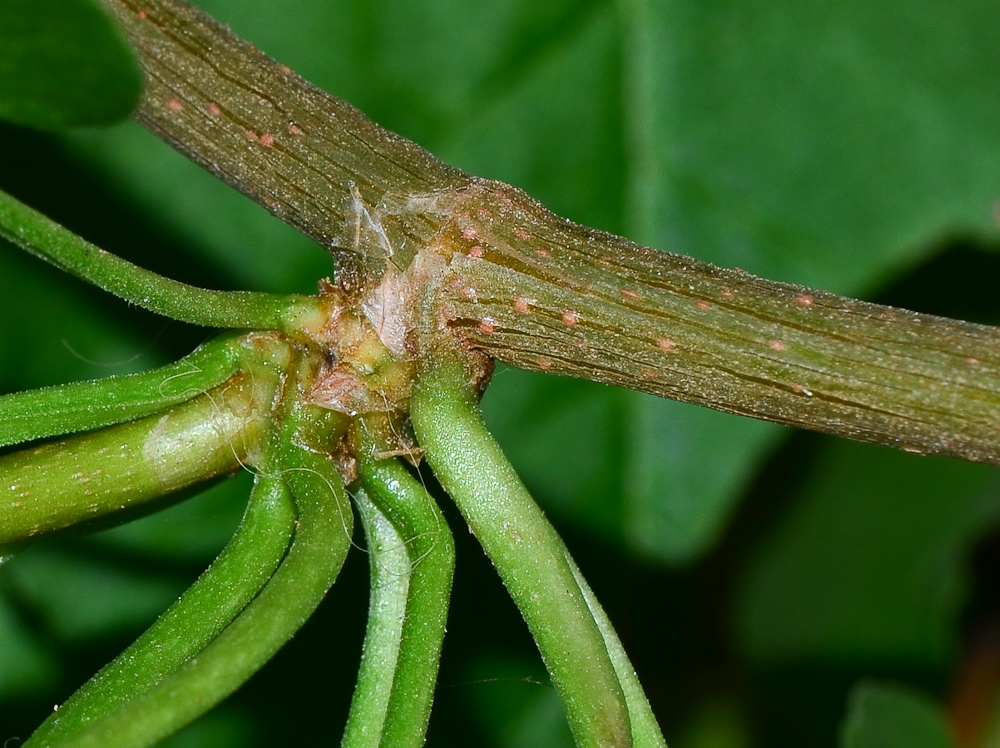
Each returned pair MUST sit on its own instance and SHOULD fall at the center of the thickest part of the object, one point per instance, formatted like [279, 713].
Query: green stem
[412, 561]
[82, 406]
[46, 239]
[645, 729]
[322, 539]
[56, 485]
[390, 586]
[205, 609]
[526, 550]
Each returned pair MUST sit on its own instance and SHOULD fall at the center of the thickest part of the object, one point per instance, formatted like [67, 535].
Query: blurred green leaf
[717, 724]
[518, 706]
[683, 472]
[80, 598]
[867, 565]
[63, 63]
[887, 715]
[223, 726]
[819, 143]
[27, 665]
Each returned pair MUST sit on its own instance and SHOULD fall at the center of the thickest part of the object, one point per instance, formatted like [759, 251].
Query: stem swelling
[85, 477]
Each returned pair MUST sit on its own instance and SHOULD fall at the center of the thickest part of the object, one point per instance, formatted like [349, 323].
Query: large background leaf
[63, 63]
[885, 715]
[844, 145]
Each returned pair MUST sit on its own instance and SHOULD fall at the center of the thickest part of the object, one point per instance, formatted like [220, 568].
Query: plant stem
[527, 551]
[540, 292]
[412, 561]
[205, 609]
[241, 115]
[85, 477]
[42, 237]
[319, 547]
[81, 406]
[389, 565]
[645, 729]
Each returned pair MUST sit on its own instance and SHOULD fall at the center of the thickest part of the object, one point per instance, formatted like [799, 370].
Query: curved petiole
[317, 552]
[82, 406]
[573, 638]
[44, 238]
[203, 611]
[412, 562]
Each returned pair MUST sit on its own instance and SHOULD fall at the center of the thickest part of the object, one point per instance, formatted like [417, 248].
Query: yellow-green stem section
[53, 486]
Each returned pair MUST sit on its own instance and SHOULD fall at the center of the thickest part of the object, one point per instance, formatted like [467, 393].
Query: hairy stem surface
[81, 406]
[205, 609]
[527, 551]
[79, 479]
[44, 238]
[540, 292]
[412, 561]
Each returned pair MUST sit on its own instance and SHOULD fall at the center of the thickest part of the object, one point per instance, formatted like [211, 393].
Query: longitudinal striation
[540, 292]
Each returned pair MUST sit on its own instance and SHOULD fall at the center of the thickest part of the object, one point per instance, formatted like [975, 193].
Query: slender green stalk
[645, 729]
[84, 477]
[412, 561]
[319, 547]
[527, 552]
[206, 608]
[42, 237]
[390, 585]
[82, 406]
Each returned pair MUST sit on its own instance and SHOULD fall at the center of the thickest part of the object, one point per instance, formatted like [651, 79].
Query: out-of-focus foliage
[63, 64]
[884, 715]
[754, 578]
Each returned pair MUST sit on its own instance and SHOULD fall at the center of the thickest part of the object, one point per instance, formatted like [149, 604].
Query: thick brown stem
[312, 160]
[542, 293]
[539, 292]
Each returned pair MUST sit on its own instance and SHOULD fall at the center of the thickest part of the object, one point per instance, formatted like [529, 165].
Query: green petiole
[317, 552]
[526, 550]
[412, 561]
[645, 729]
[84, 477]
[81, 406]
[205, 609]
[242, 310]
